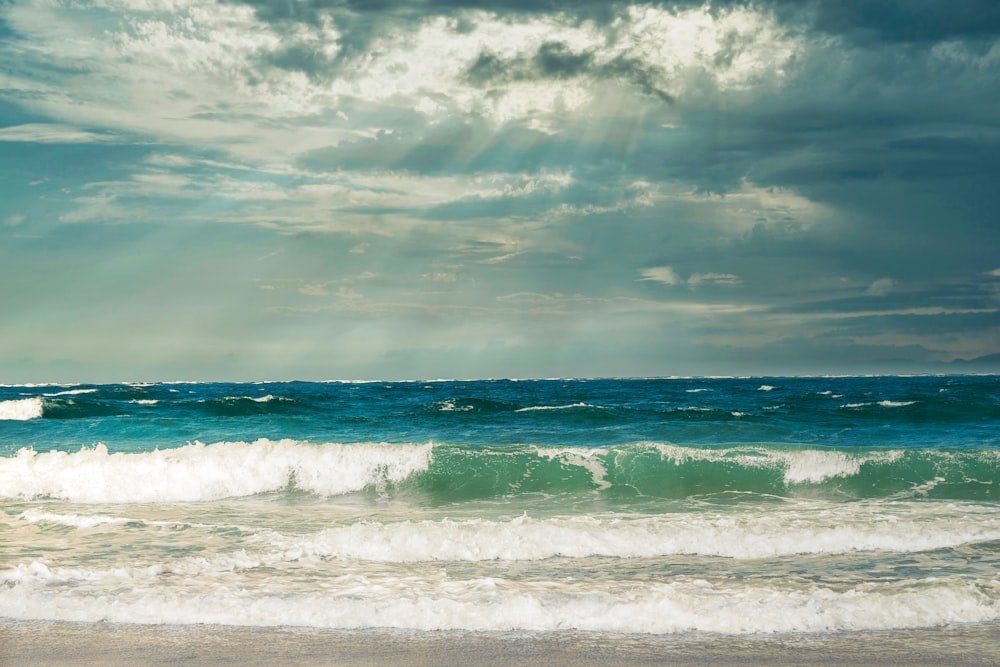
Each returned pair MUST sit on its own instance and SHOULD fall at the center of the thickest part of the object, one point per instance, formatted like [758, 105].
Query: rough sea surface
[726, 505]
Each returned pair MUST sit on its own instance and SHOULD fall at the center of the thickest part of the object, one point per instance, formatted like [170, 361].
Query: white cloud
[440, 277]
[313, 289]
[199, 71]
[736, 49]
[50, 133]
[667, 276]
[881, 287]
[103, 207]
[661, 274]
[728, 279]
[15, 220]
[750, 206]
[347, 294]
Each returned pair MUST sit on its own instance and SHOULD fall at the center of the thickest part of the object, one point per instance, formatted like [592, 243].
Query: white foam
[258, 399]
[907, 528]
[71, 392]
[765, 387]
[584, 458]
[207, 472]
[145, 401]
[556, 407]
[21, 409]
[815, 466]
[484, 603]
[695, 391]
[800, 466]
[449, 406]
[85, 521]
[74, 520]
[895, 404]
[804, 528]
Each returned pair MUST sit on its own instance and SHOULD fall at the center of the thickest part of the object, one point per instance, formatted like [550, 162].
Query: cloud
[557, 61]
[314, 290]
[440, 277]
[348, 294]
[881, 287]
[667, 276]
[727, 279]
[532, 172]
[661, 274]
[908, 21]
[51, 133]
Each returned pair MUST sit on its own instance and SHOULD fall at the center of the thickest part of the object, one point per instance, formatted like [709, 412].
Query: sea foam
[800, 466]
[199, 472]
[490, 604]
[909, 528]
[21, 409]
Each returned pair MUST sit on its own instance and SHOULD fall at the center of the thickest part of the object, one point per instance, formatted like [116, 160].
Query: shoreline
[57, 643]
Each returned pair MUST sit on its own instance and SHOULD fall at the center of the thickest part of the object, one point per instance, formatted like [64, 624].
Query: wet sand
[31, 644]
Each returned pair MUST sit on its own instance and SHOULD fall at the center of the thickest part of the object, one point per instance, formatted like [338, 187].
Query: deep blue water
[853, 412]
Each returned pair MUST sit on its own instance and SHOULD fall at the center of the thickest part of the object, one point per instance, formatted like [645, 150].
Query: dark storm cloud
[311, 10]
[909, 20]
[864, 20]
[555, 60]
[362, 21]
[892, 21]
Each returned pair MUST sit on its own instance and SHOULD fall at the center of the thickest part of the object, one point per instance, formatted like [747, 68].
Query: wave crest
[199, 472]
[21, 409]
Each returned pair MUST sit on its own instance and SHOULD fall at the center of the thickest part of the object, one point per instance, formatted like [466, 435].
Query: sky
[359, 189]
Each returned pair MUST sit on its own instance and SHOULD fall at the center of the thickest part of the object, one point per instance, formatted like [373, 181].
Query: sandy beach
[30, 644]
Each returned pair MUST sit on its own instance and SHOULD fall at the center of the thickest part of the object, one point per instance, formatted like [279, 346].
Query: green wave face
[670, 471]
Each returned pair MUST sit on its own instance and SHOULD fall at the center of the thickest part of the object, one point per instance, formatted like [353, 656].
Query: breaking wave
[451, 473]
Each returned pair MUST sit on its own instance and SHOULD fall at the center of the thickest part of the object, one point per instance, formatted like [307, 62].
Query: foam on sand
[489, 604]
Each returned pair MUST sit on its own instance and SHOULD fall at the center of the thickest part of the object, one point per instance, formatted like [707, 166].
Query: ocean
[734, 506]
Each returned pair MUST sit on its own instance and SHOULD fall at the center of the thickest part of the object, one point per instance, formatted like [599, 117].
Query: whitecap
[557, 407]
[199, 472]
[21, 409]
[71, 392]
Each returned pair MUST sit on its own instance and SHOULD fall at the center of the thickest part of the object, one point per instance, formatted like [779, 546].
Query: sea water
[662, 506]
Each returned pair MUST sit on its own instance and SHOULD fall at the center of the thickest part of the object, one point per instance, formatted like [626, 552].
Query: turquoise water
[730, 505]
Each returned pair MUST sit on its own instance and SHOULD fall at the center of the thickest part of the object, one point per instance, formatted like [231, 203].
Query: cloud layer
[272, 189]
